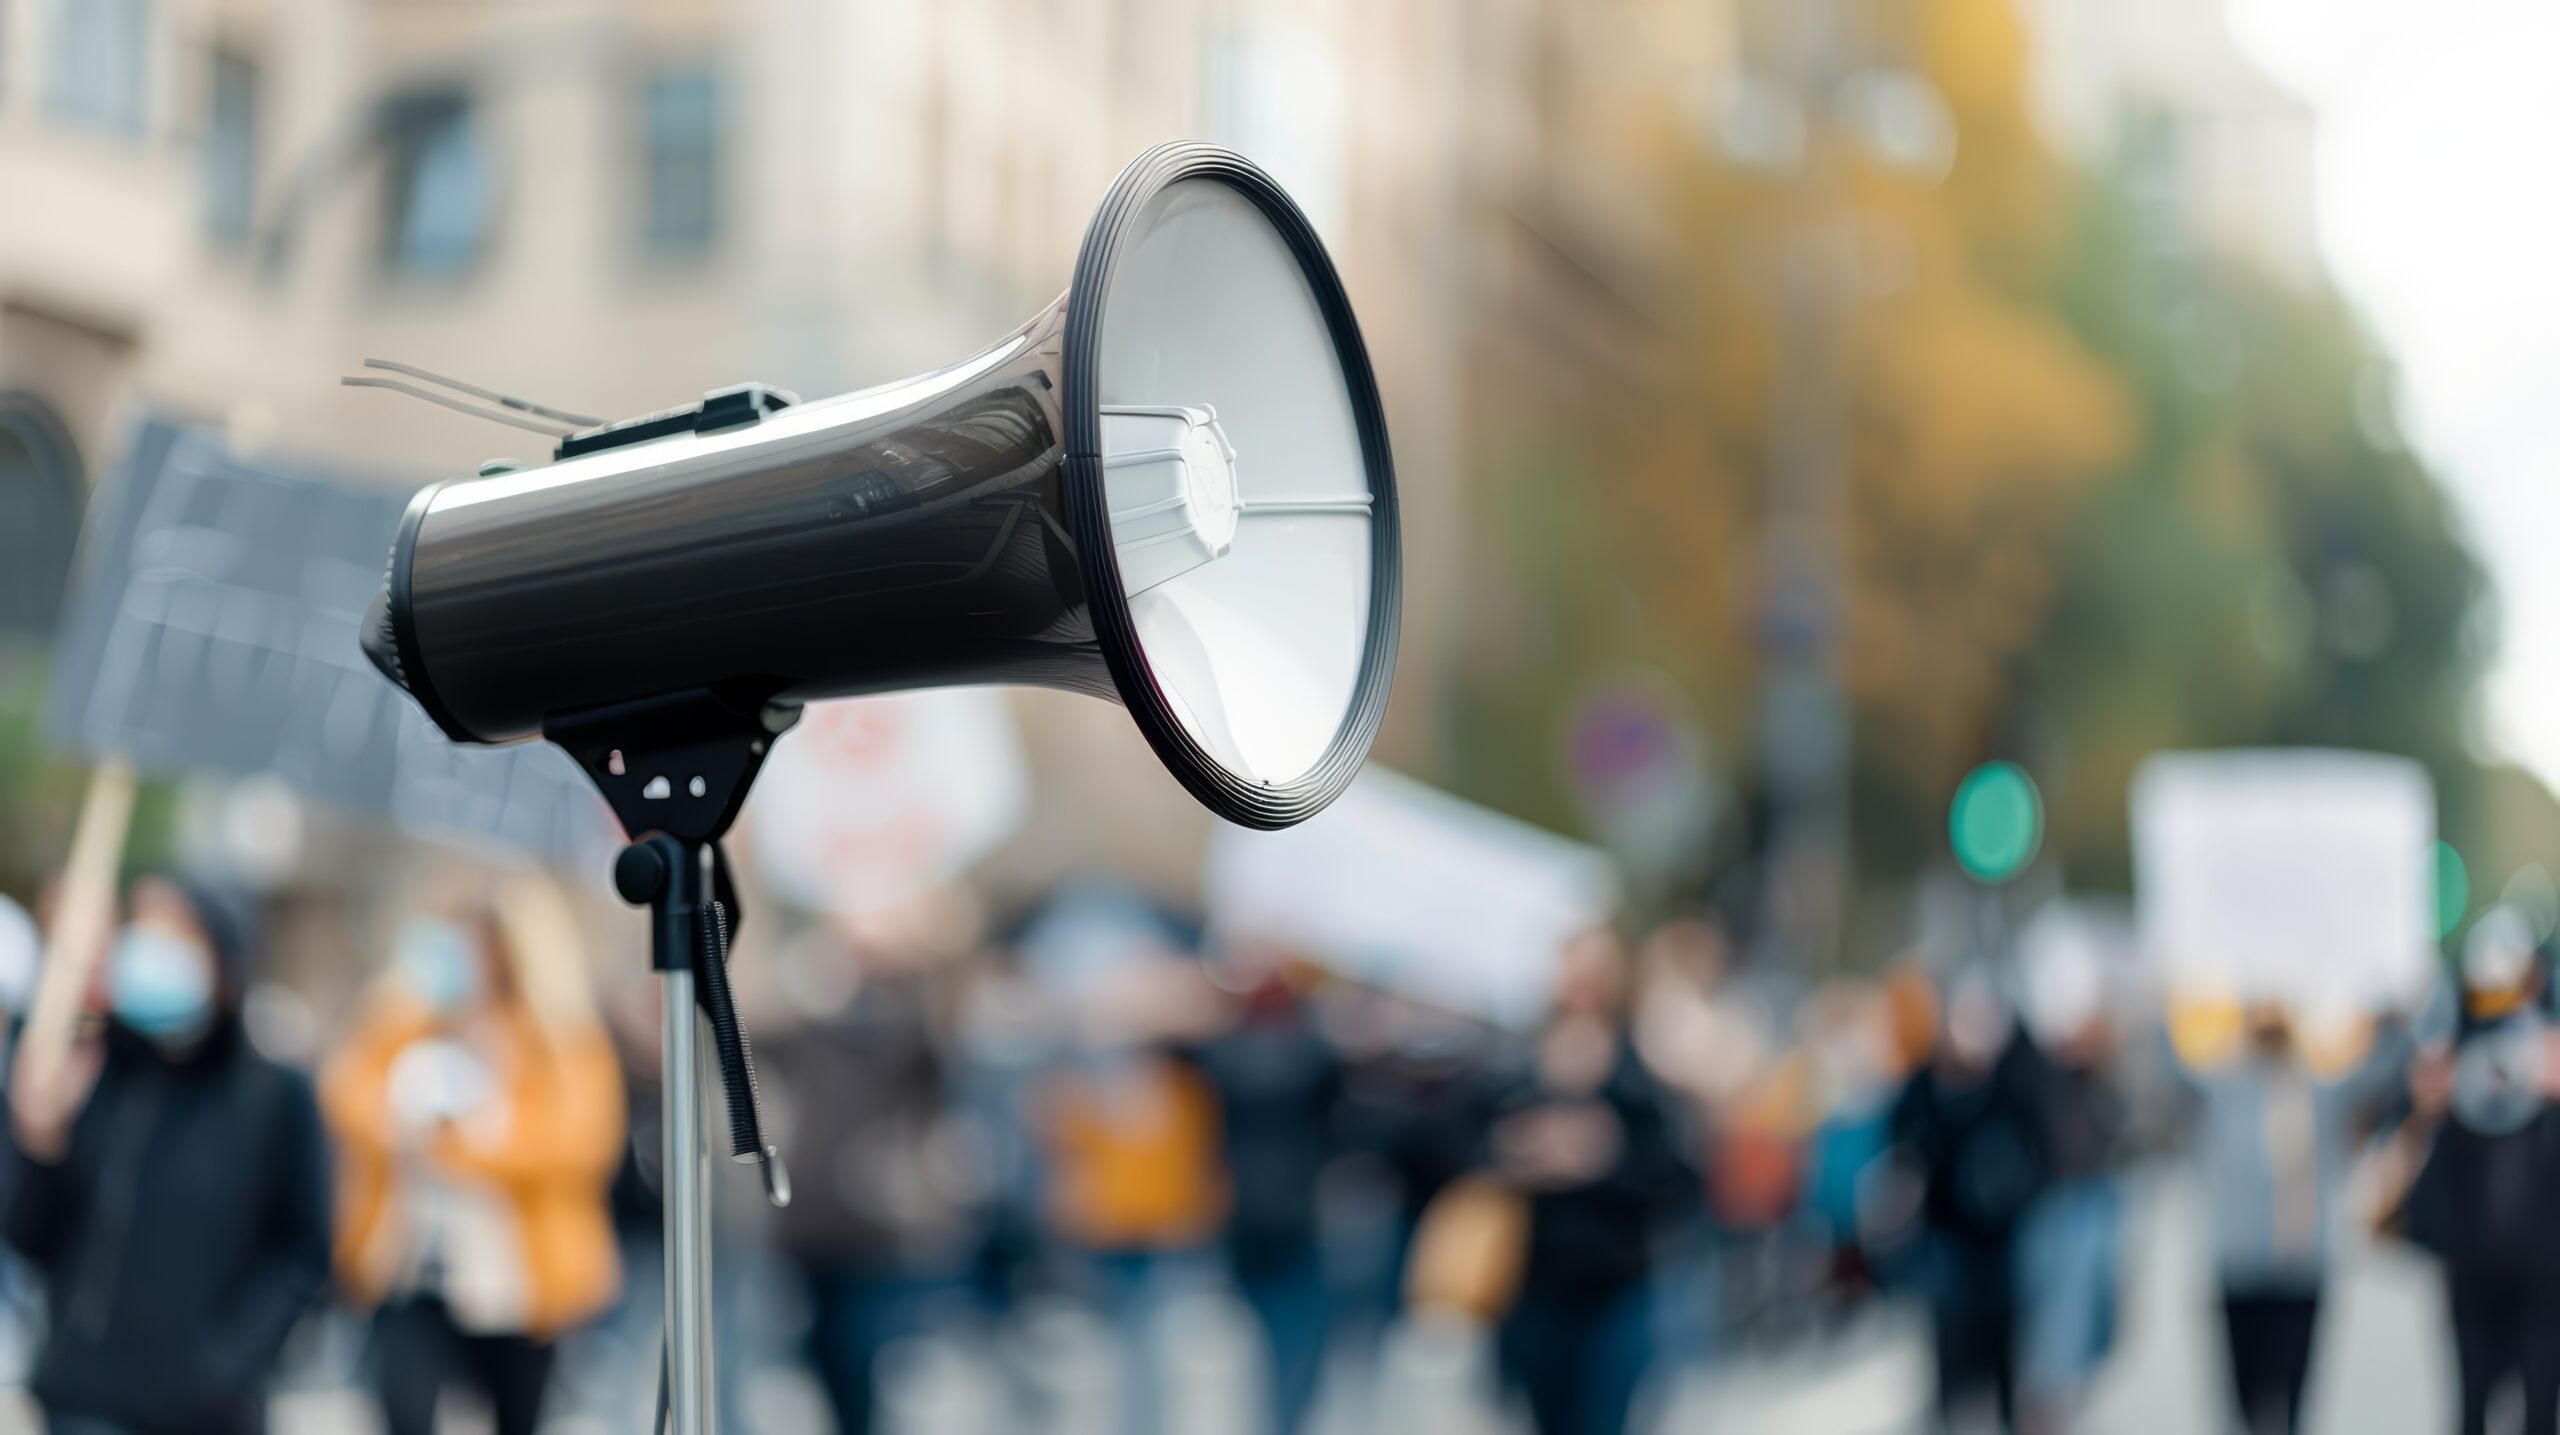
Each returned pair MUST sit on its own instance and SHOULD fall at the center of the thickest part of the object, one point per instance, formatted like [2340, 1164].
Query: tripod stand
[675, 771]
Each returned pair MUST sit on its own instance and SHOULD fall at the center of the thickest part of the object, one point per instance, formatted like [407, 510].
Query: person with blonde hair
[479, 1112]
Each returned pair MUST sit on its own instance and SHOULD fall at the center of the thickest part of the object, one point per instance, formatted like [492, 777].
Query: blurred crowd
[1092, 1107]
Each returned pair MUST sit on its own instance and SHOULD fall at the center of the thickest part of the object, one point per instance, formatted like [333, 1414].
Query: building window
[680, 120]
[437, 189]
[98, 64]
[40, 498]
[231, 150]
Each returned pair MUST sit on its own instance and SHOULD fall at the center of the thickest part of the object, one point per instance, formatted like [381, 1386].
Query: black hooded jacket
[2482, 1203]
[183, 1233]
[1593, 1240]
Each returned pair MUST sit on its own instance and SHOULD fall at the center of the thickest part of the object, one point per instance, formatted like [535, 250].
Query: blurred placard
[213, 628]
[870, 801]
[2299, 874]
[1408, 888]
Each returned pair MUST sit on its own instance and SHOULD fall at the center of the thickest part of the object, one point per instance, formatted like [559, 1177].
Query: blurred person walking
[2071, 1252]
[1711, 1039]
[1971, 1133]
[879, 1224]
[1137, 1191]
[480, 1114]
[2483, 1202]
[1416, 1101]
[1585, 1138]
[1279, 1087]
[171, 1186]
[2278, 1135]
[1858, 1073]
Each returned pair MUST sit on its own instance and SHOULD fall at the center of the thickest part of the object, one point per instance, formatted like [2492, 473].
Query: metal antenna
[545, 427]
[504, 401]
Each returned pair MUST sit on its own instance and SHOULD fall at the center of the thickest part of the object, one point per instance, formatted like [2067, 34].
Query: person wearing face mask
[480, 1112]
[171, 1186]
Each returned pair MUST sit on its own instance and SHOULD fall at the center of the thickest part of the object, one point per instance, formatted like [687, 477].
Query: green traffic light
[1996, 821]
[2453, 888]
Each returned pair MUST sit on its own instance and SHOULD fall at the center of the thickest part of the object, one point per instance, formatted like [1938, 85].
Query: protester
[170, 1185]
[2071, 1248]
[2484, 1200]
[1973, 1128]
[1137, 1193]
[480, 1112]
[879, 1224]
[1711, 1039]
[1585, 1138]
[1004, 1035]
[1416, 1101]
[1279, 1088]
[1858, 1074]
[2277, 1137]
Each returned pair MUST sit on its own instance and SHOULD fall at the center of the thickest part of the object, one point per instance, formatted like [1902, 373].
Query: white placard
[870, 801]
[1411, 889]
[2301, 875]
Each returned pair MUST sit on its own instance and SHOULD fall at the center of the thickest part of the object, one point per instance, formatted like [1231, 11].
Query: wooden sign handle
[83, 915]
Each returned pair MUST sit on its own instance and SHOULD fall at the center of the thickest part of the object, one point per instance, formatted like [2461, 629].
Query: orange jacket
[1136, 1167]
[550, 1162]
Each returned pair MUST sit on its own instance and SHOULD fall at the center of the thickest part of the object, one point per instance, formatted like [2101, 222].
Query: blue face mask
[439, 963]
[159, 984]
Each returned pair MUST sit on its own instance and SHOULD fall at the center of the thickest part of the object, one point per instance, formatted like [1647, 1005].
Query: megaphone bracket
[680, 764]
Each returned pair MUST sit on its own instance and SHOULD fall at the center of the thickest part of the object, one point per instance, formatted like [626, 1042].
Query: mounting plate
[680, 764]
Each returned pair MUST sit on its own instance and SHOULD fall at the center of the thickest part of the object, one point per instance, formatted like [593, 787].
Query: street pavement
[2383, 1368]
[2383, 1364]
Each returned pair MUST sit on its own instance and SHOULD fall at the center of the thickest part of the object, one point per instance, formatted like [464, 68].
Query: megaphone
[1171, 488]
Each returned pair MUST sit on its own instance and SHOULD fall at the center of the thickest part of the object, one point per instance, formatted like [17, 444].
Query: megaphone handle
[729, 1044]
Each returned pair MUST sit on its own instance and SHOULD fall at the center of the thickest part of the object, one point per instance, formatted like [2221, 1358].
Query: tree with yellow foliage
[2033, 489]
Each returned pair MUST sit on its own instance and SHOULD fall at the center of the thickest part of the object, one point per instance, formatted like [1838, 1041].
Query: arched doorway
[41, 492]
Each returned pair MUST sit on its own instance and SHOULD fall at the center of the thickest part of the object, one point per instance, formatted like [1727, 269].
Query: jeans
[1579, 1362]
[1295, 1310]
[854, 1315]
[1131, 1288]
[2068, 1269]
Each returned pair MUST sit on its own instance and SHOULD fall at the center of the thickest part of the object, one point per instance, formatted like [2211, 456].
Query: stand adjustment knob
[639, 874]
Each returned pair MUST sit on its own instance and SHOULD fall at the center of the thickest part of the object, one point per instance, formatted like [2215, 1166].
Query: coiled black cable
[729, 1038]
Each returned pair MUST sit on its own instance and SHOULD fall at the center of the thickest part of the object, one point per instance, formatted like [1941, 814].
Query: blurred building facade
[220, 206]
[2218, 150]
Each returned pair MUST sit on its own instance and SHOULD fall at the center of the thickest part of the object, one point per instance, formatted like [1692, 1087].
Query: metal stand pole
[687, 1203]
[668, 875]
